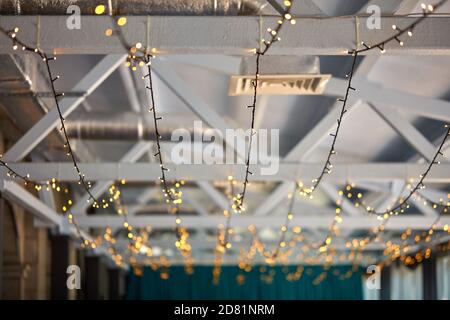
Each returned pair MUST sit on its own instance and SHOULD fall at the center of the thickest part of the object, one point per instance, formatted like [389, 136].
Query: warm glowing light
[100, 9]
[121, 21]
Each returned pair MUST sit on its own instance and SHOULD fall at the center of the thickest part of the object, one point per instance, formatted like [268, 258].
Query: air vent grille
[299, 84]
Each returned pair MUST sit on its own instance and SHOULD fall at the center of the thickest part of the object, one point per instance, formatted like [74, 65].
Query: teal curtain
[181, 286]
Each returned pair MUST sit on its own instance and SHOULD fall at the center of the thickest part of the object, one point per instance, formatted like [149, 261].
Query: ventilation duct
[280, 75]
[135, 7]
[118, 126]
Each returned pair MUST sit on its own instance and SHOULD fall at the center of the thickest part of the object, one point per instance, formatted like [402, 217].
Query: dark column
[92, 270]
[96, 281]
[116, 284]
[60, 260]
[429, 279]
[2, 218]
[385, 292]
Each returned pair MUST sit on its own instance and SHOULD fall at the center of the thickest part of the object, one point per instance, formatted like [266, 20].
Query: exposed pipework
[135, 7]
[119, 126]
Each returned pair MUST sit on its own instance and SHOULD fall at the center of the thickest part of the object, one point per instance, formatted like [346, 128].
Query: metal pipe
[135, 7]
[116, 126]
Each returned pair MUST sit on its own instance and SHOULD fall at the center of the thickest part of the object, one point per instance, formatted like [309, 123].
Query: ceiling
[365, 136]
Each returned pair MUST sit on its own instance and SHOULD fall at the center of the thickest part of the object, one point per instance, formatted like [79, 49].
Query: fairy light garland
[274, 37]
[419, 185]
[239, 200]
[422, 242]
[141, 56]
[427, 10]
[11, 173]
[271, 255]
[173, 196]
[12, 34]
[136, 242]
[327, 167]
[218, 255]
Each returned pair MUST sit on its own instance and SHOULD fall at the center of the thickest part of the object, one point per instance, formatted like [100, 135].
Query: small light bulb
[100, 9]
[121, 21]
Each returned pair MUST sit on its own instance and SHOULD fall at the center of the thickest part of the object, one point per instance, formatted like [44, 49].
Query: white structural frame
[236, 35]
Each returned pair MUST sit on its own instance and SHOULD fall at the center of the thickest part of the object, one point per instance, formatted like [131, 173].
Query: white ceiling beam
[422, 207]
[274, 198]
[235, 35]
[189, 209]
[377, 94]
[435, 195]
[196, 205]
[17, 194]
[144, 172]
[389, 7]
[130, 89]
[396, 190]
[306, 222]
[142, 200]
[68, 104]
[228, 65]
[133, 155]
[303, 148]
[219, 199]
[205, 243]
[415, 138]
[407, 6]
[347, 207]
[406, 130]
[300, 152]
[299, 8]
[203, 111]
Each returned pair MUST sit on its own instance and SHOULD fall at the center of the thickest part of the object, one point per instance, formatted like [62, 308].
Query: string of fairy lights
[399, 32]
[271, 255]
[16, 43]
[140, 56]
[237, 201]
[422, 242]
[86, 185]
[402, 205]
[267, 44]
[12, 34]
[11, 173]
[327, 168]
[173, 196]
